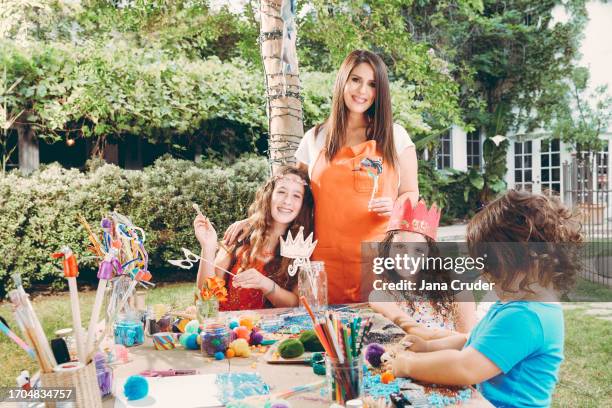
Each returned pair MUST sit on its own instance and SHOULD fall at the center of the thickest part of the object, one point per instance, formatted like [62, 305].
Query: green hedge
[38, 214]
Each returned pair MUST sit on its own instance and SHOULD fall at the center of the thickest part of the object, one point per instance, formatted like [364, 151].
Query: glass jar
[207, 309]
[129, 332]
[344, 380]
[312, 284]
[215, 337]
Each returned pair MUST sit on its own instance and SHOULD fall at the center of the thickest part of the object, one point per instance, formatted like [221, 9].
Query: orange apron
[342, 190]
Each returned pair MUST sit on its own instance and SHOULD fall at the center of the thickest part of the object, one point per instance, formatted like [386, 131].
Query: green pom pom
[291, 348]
[310, 341]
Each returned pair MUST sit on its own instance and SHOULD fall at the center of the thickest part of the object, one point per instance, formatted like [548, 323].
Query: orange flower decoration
[214, 289]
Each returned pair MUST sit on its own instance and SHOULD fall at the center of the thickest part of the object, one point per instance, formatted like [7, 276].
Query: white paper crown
[297, 248]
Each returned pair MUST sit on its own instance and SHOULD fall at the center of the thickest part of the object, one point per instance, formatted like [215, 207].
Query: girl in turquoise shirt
[515, 351]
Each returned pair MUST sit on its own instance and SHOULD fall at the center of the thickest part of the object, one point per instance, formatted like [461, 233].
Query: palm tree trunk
[282, 89]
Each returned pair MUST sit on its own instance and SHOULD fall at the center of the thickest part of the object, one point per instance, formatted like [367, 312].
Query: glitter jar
[129, 332]
[344, 380]
[312, 284]
[215, 337]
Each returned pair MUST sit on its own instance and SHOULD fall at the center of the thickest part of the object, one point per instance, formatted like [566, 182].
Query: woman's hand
[381, 206]
[236, 232]
[414, 343]
[205, 232]
[253, 279]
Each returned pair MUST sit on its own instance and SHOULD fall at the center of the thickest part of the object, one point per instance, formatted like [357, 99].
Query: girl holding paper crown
[283, 204]
[354, 160]
[412, 231]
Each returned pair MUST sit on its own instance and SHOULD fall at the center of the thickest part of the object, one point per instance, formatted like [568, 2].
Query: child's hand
[414, 343]
[400, 365]
[252, 279]
[382, 206]
[205, 232]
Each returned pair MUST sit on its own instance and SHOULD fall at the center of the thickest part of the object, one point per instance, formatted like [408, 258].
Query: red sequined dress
[242, 298]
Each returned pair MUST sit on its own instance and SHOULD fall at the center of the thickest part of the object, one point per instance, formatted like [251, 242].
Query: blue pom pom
[233, 324]
[136, 387]
[219, 355]
[191, 342]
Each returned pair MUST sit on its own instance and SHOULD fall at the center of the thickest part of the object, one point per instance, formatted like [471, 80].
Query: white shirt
[309, 148]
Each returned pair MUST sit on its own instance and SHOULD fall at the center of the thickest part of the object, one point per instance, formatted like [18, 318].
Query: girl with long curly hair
[261, 280]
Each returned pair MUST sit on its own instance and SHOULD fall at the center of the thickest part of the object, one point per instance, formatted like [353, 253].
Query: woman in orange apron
[359, 164]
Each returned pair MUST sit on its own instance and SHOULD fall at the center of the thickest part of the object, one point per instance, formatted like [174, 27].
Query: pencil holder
[344, 380]
[74, 375]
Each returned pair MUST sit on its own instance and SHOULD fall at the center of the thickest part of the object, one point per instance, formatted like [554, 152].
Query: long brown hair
[379, 115]
[442, 301]
[260, 213]
[531, 233]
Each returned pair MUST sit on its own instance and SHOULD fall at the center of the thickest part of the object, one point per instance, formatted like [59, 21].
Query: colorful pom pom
[192, 327]
[242, 332]
[219, 355]
[136, 387]
[247, 322]
[256, 338]
[373, 354]
[240, 347]
[230, 353]
[191, 341]
[387, 377]
[233, 324]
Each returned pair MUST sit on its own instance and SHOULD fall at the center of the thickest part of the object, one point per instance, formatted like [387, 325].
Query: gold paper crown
[297, 248]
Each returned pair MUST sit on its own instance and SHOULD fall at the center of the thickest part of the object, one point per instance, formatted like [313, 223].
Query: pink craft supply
[121, 353]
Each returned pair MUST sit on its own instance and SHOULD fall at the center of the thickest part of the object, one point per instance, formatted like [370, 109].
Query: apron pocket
[362, 182]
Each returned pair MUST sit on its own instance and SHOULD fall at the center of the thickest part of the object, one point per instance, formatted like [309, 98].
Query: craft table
[278, 377]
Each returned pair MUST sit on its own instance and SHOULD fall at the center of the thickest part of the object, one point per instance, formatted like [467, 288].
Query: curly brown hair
[530, 233]
[442, 301]
[260, 214]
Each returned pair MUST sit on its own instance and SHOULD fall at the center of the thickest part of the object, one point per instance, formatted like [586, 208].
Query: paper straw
[16, 339]
[76, 319]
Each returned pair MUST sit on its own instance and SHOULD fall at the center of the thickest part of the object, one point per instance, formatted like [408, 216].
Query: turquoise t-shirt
[525, 341]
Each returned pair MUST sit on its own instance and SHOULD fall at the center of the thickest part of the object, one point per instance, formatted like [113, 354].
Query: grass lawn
[585, 379]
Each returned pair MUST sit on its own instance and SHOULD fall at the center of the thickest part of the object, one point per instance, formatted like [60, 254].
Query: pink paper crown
[415, 219]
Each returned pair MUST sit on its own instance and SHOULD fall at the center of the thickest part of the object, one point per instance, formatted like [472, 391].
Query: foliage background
[39, 213]
[183, 73]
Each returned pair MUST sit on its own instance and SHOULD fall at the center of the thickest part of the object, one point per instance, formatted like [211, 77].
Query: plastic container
[104, 374]
[215, 337]
[344, 380]
[129, 332]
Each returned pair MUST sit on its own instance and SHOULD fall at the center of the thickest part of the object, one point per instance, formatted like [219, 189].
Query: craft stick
[17, 340]
[298, 389]
[216, 267]
[92, 238]
[28, 322]
[105, 273]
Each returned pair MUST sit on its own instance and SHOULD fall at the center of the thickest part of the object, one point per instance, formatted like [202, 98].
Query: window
[523, 176]
[473, 150]
[550, 169]
[443, 152]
